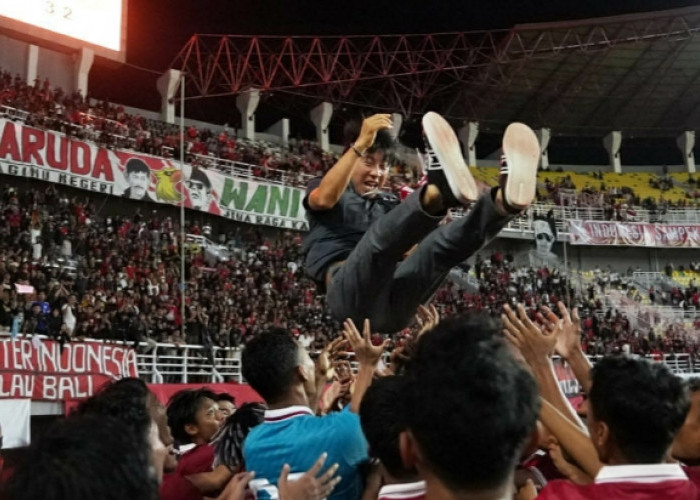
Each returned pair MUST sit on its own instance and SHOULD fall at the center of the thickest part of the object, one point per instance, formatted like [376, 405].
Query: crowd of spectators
[117, 278]
[472, 409]
[111, 126]
[618, 203]
[632, 326]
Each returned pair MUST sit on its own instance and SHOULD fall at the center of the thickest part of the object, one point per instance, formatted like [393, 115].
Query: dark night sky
[158, 29]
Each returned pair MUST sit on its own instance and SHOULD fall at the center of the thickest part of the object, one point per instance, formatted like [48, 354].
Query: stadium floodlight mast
[182, 205]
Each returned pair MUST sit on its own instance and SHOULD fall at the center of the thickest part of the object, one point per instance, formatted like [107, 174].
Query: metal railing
[160, 363]
[649, 279]
[13, 113]
[523, 224]
[247, 171]
[680, 364]
[181, 364]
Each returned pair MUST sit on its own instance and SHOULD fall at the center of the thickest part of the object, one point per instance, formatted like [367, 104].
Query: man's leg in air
[417, 278]
[358, 287]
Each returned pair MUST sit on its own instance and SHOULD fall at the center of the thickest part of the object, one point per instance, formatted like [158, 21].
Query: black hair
[225, 396]
[182, 411]
[228, 444]
[136, 165]
[383, 141]
[643, 404]
[125, 399]
[198, 175]
[383, 418]
[268, 363]
[472, 406]
[85, 457]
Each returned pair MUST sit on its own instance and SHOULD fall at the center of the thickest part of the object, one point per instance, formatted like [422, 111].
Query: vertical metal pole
[182, 204]
[566, 257]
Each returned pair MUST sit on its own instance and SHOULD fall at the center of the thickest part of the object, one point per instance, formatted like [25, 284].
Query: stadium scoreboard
[97, 24]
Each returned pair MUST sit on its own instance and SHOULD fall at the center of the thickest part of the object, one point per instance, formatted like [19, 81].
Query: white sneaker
[446, 167]
[518, 175]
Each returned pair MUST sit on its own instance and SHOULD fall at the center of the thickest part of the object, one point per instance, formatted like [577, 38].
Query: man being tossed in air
[359, 234]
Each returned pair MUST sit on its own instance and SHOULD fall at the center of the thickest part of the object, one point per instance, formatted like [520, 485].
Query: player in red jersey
[634, 410]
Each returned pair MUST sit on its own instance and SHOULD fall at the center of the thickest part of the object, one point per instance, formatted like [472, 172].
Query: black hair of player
[182, 411]
[85, 457]
[472, 406]
[268, 363]
[643, 404]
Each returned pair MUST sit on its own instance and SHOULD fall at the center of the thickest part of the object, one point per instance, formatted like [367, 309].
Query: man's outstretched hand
[333, 352]
[534, 344]
[365, 352]
[569, 339]
[310, 486]
[427, 318]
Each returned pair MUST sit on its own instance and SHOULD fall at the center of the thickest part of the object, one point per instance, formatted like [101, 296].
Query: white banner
[14, 418]
[54, 157]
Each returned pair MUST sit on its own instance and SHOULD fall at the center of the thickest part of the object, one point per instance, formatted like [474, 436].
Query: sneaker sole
[443, 140]
[522, 150]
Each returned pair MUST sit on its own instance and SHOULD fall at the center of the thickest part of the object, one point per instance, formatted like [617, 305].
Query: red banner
[677, 235]
[40, 371]
[634, 234]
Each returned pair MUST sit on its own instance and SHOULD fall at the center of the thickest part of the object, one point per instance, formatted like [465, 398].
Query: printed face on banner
[138, 185]
[544, 236]
[199, 190]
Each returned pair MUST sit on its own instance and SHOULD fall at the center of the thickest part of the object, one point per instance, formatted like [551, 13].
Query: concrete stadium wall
[13, 54]
[57, 66]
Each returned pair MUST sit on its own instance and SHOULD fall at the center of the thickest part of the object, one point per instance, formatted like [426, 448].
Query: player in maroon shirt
[193, 416]
[471, 410]
[382, 415]
[634, 410]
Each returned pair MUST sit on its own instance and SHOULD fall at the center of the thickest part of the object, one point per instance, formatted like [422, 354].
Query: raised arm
[536, 346]
[324, 363]
[568, 346]
[571, 438]
[367, 355]
[336, 180]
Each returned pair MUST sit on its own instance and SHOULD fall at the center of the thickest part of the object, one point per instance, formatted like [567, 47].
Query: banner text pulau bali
[44, 371]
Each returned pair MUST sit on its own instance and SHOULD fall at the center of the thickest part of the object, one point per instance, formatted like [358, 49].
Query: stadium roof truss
[638, 73]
